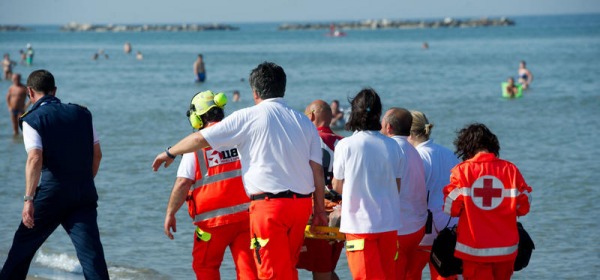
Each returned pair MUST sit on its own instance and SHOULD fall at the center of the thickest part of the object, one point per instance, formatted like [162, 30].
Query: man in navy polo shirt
[61, 147]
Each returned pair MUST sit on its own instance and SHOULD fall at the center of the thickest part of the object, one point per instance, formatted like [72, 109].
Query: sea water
[139, 109]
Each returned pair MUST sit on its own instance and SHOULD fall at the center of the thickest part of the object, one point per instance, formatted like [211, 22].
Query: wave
[66, 267]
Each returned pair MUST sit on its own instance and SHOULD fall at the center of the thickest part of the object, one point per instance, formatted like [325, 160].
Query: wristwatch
[28, 197]
[172, 156]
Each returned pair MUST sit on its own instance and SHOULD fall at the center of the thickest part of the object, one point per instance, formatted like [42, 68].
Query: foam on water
[62, 266]
[58, 261]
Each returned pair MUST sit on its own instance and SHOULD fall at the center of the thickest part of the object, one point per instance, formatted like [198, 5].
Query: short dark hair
[473, 138]
[401, 121]
[214, 114]
[366, 110]
[41, 80]
[268, 80]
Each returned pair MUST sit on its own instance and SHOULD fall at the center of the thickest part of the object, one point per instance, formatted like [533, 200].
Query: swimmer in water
[525, 76]
[199, 70]
[511, 88]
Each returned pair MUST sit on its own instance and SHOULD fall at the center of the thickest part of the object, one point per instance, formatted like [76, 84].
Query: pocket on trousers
[355, 245]
[201, 244]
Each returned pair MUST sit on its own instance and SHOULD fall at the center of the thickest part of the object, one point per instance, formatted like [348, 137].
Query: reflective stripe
[510, 192]
[458, 191]
[222, 176]
[468, 192]
[222, 211]
[487, 252]
[202, 165]
[452, 197]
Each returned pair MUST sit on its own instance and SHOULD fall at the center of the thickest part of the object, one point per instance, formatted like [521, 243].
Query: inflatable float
[505, 93]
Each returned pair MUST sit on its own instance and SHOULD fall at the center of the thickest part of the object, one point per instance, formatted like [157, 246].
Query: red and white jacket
[487, 194]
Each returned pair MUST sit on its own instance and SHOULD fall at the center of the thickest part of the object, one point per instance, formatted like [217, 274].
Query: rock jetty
[398, 24]
[85, 27]
[4, 28]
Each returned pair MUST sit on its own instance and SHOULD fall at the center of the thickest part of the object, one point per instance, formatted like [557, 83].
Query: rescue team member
[396, 124]
[437, 163]
[211, 182]
[487, 194]
[317, 255]
[281, 166]
[366, 171]
[62, 148]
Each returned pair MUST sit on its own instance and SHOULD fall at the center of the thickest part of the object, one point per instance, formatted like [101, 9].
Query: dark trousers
[81, 226]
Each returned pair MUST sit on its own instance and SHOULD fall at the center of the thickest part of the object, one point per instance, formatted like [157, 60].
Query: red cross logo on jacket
[487, 192]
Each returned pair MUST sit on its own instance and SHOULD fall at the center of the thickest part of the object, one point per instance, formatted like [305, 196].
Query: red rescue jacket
[487, 194]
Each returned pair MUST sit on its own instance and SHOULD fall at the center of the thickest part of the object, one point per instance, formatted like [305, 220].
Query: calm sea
[139, 109]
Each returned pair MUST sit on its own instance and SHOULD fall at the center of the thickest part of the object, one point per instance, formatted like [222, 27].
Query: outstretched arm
[191, 143]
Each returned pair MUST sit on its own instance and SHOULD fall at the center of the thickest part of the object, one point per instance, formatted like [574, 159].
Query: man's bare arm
[33, 169]
[338, 185]
[319, 214]
[178, 197]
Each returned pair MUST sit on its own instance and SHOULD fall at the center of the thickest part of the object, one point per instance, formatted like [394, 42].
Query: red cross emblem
[487, 192]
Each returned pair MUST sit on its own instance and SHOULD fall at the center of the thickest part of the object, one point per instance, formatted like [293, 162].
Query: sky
[30, 12]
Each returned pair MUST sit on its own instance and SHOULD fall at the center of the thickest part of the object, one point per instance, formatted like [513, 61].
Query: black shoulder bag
[526, 247]
[442, 252]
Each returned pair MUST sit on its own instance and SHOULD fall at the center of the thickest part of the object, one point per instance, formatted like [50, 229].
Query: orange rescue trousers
[210, 245]
[493, 271]
[371, 256]
[277, 232]
[407, 264]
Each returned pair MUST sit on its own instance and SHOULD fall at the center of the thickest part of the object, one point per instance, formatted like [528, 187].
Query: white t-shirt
[438, 161]
[32, 139]
[187, 167]
[275, 144]
[413, 195]
[369, 163]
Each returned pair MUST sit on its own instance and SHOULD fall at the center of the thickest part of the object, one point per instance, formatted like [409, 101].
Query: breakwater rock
[4, 28]
[397, 24]
[84, 27]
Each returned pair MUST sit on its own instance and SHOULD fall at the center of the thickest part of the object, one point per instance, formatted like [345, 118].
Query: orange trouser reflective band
[494, 270]
[277, 232]
[422, 259]
[408, 246]
[210, 245]
[371, 255]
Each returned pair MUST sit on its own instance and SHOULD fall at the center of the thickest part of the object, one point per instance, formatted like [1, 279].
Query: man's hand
[160, 159]
[28, 214]
[170, 223]
[320, 219]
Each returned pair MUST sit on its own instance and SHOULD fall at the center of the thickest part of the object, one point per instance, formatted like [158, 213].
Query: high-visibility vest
[487, 194]
[218, 197]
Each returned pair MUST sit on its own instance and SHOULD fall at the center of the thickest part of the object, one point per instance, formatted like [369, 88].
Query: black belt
[285, 194]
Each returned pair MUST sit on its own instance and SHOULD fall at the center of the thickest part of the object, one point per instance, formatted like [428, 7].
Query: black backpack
[442, 253]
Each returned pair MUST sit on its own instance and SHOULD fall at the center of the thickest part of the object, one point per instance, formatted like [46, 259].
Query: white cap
[28, 45]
